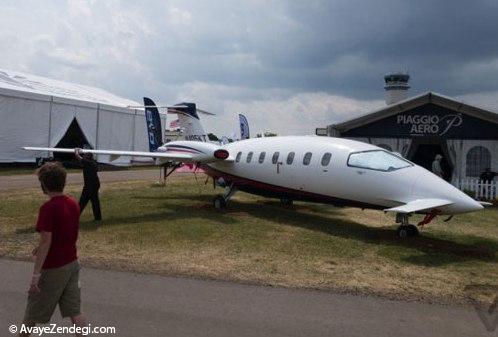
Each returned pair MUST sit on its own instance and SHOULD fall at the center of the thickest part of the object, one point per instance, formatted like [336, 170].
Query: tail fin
[189, 121]
[244, 127]
[153, 121]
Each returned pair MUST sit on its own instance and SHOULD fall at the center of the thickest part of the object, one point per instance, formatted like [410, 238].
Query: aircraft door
[285, 166]
[276, 160]
[369, 182]
[319, 172]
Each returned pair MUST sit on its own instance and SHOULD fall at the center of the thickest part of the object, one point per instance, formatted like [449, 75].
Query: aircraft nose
[464, 204]
[430, 186]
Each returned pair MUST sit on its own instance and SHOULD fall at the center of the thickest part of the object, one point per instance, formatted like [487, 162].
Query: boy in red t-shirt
[56, 272]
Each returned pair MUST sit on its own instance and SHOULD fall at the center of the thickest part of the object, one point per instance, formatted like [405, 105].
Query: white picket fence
[482, 190]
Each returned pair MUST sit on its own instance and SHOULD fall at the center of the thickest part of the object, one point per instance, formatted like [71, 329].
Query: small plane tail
[154, 128]
[189, 122]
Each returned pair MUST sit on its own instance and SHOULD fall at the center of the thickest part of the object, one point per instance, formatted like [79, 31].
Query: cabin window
[326, 158]
[377, 160]
[262, 157]
[477, 161]
[249, 157]
[307, 158]
[239, 155]
[274, 159]
[290, 158]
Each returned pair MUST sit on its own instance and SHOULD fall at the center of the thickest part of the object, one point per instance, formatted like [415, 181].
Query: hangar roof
[410, 103]
[16, 83]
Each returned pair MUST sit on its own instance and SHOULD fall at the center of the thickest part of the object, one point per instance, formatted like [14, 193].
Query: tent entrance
[73, 138]
[423, 154]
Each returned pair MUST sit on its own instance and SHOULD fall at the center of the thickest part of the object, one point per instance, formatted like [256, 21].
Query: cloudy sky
[290, 66]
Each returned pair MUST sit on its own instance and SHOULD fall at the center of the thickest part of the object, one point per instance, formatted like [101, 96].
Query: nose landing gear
[405, 229]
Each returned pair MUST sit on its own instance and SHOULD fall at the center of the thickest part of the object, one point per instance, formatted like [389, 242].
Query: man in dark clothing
[91, 183]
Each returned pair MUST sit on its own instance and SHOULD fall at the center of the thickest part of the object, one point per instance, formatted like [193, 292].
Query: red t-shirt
[60, 216]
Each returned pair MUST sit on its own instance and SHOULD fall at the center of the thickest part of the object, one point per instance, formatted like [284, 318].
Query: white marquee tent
[37, 111]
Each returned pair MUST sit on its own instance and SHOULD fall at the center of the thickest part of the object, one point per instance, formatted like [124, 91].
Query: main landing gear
[405, 229]
[220, 201]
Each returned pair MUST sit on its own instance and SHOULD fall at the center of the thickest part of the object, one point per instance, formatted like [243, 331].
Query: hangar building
[41, 112]
[423, 126]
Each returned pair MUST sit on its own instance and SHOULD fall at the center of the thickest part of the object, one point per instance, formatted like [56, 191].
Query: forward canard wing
[419, 205]
[174, 151]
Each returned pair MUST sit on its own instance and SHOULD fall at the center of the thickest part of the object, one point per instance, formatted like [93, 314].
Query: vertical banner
[154, 127]
[244, 127]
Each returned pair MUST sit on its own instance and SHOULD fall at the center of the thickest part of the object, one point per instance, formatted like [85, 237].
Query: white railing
[482, 190]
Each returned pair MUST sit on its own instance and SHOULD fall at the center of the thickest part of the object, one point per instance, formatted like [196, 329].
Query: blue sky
[290, 66]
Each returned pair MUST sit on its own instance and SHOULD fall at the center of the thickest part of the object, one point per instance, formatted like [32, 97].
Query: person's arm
[41, 255]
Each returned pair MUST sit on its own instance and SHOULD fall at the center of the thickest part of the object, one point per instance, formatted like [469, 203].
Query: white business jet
[325, 170]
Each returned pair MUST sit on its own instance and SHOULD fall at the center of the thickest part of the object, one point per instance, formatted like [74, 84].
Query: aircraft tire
[412, 230]
[219, 202]
[406, 231]
[402, 232]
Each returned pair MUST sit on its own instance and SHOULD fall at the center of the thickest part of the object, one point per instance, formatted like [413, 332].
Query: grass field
[174, 230]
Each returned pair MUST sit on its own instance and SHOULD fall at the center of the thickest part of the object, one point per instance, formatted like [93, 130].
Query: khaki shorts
[57, 285]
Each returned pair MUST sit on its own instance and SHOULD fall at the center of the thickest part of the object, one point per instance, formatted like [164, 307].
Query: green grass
[174, 230]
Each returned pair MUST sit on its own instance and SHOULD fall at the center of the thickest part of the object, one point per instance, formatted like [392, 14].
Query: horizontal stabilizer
[419, 205]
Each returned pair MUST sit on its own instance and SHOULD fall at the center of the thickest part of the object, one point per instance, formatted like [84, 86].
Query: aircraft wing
[170, 155]
[419, 205]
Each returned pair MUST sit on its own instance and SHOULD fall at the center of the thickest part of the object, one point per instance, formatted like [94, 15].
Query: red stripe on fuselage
[265, 189]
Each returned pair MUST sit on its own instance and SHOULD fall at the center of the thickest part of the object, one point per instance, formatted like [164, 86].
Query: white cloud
[90, 42]
[277, 110]
[178, 16]
[485, 100]
[287, 65]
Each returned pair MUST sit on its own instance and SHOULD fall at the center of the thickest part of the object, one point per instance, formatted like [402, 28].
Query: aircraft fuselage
[310, 176]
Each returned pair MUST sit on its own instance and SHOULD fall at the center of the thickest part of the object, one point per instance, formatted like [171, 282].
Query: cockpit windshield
[377, 160]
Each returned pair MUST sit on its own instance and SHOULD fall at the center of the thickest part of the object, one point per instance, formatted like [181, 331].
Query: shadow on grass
[164, 212]
[431, 251]
[26, 230]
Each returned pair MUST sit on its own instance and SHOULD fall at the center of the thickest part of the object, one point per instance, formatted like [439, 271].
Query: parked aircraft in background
[325, 170]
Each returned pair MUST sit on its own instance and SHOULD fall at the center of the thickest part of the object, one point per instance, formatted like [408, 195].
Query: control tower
[396, 87]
